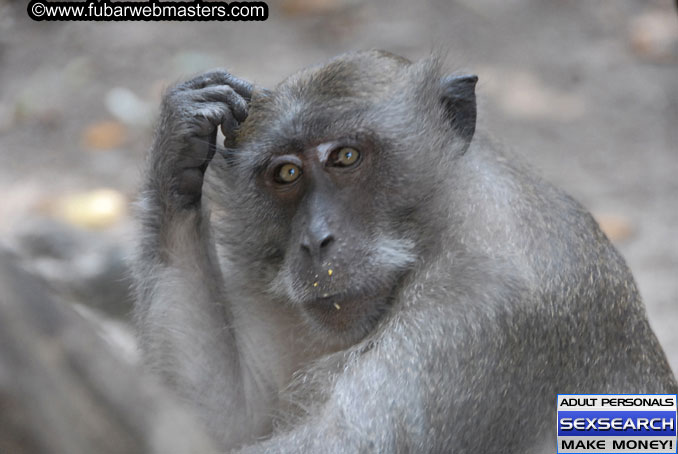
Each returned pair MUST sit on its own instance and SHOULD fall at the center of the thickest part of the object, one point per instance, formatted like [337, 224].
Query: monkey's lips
[331, 300]
[348, 311]
[334, 300]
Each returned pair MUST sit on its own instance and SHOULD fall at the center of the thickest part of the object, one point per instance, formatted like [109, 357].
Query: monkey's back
[574, 270]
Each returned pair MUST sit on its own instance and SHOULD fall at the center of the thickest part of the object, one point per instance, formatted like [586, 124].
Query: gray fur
[470, 291]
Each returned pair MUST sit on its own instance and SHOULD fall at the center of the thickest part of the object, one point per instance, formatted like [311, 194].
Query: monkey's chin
[349, 317]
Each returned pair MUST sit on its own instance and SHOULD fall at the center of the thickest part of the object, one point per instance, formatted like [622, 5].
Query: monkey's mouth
[334, 300]
[351, 313]
[338, 300]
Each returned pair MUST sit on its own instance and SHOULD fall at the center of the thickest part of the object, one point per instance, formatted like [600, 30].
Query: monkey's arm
[473, 367]
[181, 311]
[434, 379]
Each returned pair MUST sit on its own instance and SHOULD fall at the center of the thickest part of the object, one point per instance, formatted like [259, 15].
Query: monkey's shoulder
[523, 216]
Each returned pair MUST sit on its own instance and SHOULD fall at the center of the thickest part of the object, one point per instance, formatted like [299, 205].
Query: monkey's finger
[225, 94]
[211, 149]
[242, 87]
[228, 127]
[202, 149]
[201, 152]
[205, 79]
[219, 77]
[209, 116]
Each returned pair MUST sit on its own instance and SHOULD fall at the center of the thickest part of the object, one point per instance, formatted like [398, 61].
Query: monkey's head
[331, 191]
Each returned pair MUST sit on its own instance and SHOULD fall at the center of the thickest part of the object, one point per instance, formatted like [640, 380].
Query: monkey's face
[330, 189]
[342, 259]
[316, 219]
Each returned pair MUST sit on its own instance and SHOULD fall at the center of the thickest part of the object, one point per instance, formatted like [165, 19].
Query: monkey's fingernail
[337, 306]
[329, 272]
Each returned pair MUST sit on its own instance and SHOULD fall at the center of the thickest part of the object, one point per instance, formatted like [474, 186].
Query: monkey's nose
[316, 245]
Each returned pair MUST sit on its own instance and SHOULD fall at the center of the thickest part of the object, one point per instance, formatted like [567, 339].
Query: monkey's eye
[344, 157]
[287, 173]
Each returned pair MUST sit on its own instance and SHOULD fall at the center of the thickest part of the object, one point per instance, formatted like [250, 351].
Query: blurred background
[586, 91]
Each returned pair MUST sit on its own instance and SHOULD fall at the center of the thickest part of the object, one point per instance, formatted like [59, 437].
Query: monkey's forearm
[393, 400]
[184, 321]
[175, 268]
[175, 231]
[179, 283]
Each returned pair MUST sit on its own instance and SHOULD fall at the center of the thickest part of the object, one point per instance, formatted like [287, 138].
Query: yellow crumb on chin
[315, 284]
[329, 272]
[337, 306]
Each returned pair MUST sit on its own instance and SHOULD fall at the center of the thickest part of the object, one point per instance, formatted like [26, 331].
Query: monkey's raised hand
[186, 136]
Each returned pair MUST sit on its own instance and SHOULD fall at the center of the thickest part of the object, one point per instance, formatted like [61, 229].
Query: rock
[44, 237]
[104, 135]
[128, 108]
[194, 62]
[617, 228]
[95, 209]
[526, 96]
[654, 36]
[116, 333]
[301, 7]
[6, 118]
[80, 265]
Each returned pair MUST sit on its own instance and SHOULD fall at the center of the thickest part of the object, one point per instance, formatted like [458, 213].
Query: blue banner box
[617, 423]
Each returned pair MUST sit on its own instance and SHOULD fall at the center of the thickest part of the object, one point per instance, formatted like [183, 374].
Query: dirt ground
[586, 91]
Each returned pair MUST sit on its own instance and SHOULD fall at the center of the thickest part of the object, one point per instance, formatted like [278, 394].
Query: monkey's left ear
[459, 100]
